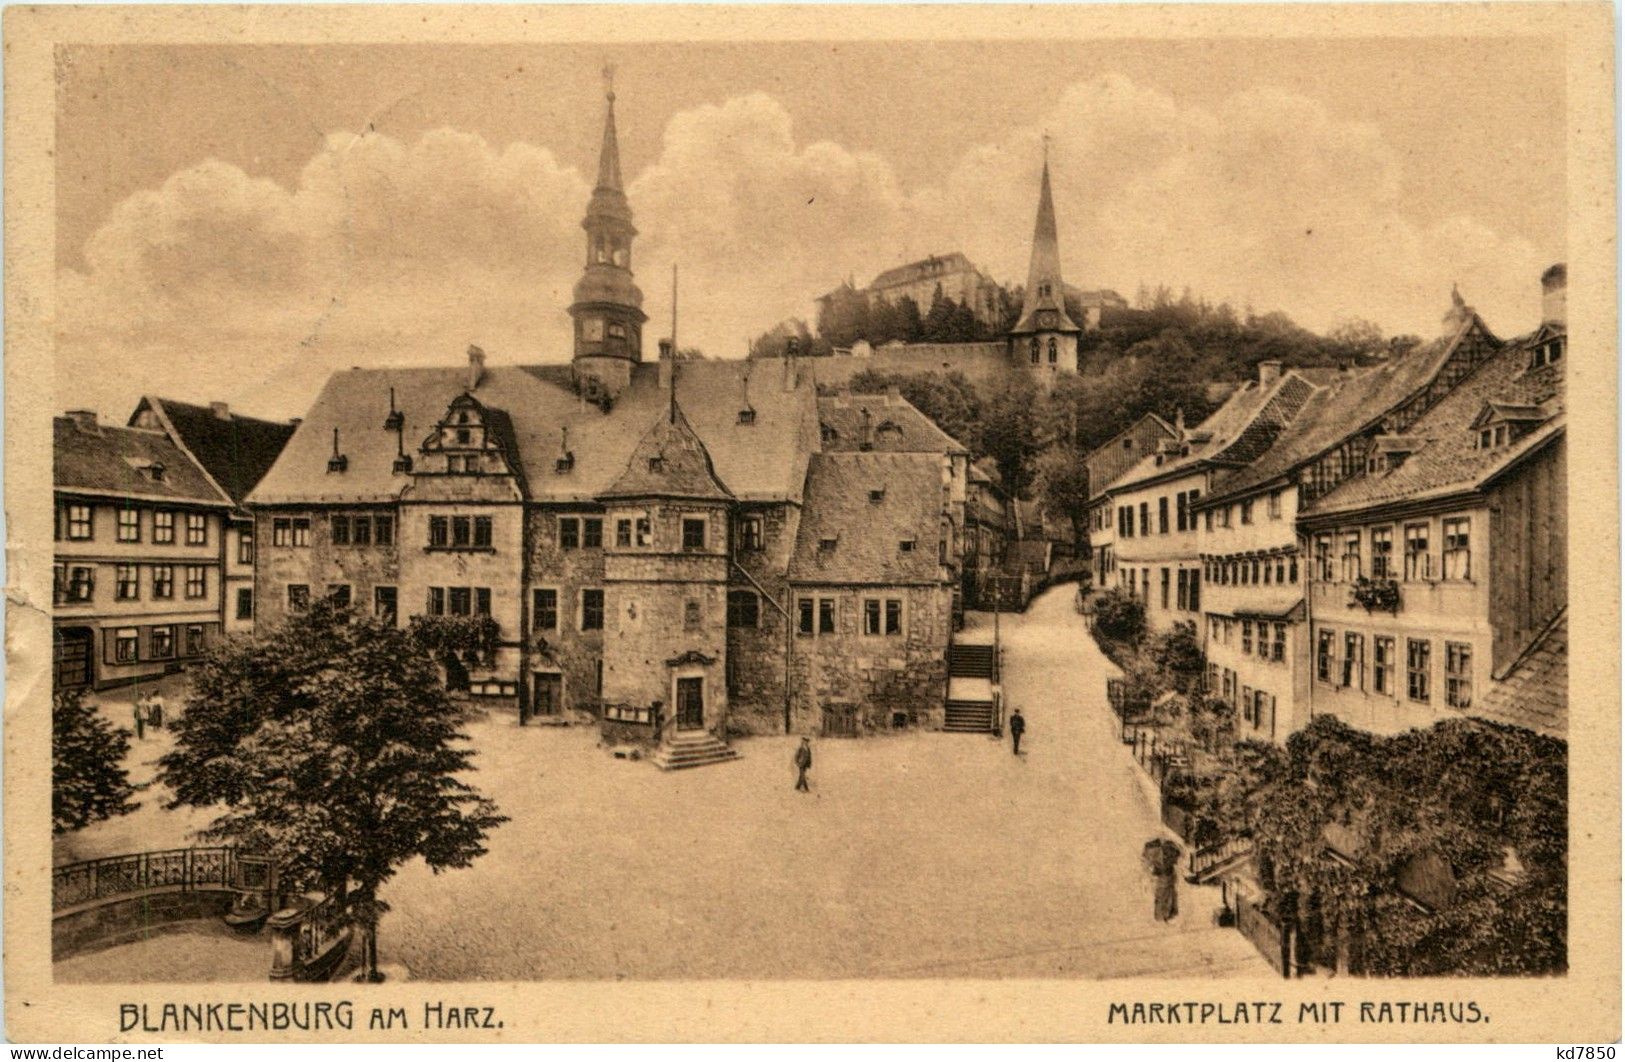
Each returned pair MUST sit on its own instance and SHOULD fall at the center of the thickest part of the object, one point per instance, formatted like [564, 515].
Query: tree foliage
[331, 746]
[1119, 617]
[1063, 482]
[88, 780]
[949, 400]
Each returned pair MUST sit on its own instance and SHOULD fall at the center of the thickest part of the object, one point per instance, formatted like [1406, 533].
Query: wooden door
[691, 704]
[548, 698]
[72, 657]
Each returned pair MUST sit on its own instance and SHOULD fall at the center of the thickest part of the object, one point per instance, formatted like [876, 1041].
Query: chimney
[790, 346]
[667, 363]
[1458, 314]
[894, 394]
[476, 366]
[221, 410]
[1268, 373]
[1554, 296]
[85, 420]
[866, 439]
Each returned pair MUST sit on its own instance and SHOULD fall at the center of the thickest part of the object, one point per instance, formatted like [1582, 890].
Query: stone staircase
[692, 748]
[972, 673]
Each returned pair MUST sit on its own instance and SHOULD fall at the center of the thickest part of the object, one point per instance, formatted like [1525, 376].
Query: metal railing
[169, 870]
[1205, 859]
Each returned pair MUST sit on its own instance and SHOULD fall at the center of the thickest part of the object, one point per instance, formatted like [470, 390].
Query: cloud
[221, 284]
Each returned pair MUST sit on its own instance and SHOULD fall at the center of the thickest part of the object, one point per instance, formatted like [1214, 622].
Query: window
[1292, 568]
[1458, 675]
[643, 530]
[1247, 705]
[544, 609]
[691, 615]
[1164, 584]
[1247, 511]
[693, 534]
[340, 533]
[826, 615]
[129, 525]
[298, 597]
[750, 532]
[361, 531]
[1052, 350]
[439, 532]
[1382, 664]
[126, 583]
[383, 530]
[245, 603]
[569, 532]
[197, 529]
[894, 616]
[79, 526]
[1418, 561]
[1275, 505]
[1418, 668]
[1196, 591]
[1458, 556]
[592, 610]
[1182, 515]
[1145, 518]
[1247, 636]
[462, 532]
[1278, 652]
[1162, 515]
[1207, 520]
[81, 583]
[1224, 515]
[804, 615]
[1351, 556]
[623, 534]
[592, 532]
[161, 643]
[1323, 558]
[1323, 655]
[281, 531]
[163, 581]
[482, 532]
[1034, 349]
[436, 605]
[1354, 660]
[744, 609]
[459, 601]
[194, 639]
[245, 547]
[339, 594]
[124, 643]
[1382, 553]
[1182, 594]
[197, 581]
[163, 527]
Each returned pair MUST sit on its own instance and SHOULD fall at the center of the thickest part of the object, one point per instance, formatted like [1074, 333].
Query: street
[917, 855]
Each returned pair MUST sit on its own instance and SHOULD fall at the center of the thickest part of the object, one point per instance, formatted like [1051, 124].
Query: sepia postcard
[665, 523]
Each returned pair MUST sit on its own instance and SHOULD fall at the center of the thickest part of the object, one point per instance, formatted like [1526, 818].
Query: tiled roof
[1448, 458]
[235, 450]
[924, 269]
[849, 536]
[763, 460]
[1237, 432]
[1103, 460]
[1352, 401]
[1535, 691]
[668, 462]
[894, 425]
[110, 460]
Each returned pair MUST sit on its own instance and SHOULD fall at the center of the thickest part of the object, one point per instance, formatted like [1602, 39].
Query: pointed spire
[609, 156]
[1045, 290]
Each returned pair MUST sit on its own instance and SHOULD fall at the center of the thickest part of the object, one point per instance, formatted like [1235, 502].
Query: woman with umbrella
[1161, 857]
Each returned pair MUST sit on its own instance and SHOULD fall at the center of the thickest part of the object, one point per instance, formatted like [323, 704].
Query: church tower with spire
[1045, 338]
[608, 307]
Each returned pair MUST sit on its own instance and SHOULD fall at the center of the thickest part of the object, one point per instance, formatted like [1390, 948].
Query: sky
[241, 221]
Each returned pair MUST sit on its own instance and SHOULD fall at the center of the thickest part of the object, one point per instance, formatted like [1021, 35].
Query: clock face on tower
[1046, 319]
[592, 329]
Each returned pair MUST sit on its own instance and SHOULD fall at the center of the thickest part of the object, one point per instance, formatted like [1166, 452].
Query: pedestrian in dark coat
[141, 718]
[1018, 726]
[155, 711]
[803, 762]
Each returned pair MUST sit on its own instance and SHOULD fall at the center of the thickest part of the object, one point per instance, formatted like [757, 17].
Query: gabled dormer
[471, 439]
[1548, 345]
[1500, 423]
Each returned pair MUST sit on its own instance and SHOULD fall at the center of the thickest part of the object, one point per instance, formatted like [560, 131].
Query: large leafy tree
[88, 779]
[331, 746]
[1063, 480]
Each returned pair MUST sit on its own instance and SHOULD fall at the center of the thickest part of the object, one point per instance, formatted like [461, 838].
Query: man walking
[141, 718]
[1017, 726]
[803, 761]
